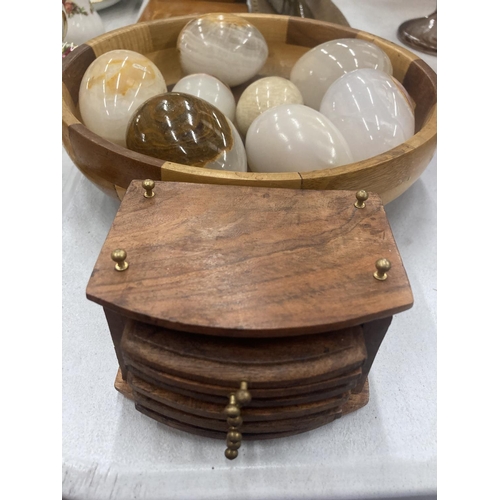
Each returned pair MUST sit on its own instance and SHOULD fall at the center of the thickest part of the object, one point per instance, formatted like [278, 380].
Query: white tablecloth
[111, 451]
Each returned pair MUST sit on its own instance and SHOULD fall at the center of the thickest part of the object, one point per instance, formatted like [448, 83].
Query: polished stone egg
[113, 87]
[372, 110]
[294, 138]
[185, 129]
[318, 68]
[222, 45]
[209, 88]
[262, 95]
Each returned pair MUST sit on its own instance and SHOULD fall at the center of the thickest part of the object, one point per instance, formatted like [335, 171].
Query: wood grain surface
[355, 402]
[389, 174]
[162, 9]
[216, 434]
[276, 425]
[249, 262]
[263, 363]
[217, 393]
[216, 411]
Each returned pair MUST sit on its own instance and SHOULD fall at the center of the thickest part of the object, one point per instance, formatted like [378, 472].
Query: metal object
[119, 257]
[148, 185]
[297, 8]
[232, 411]
[361, 197]
[383, 266]
[420, 33]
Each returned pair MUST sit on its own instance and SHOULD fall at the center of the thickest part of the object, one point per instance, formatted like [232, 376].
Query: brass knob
[231, 454]
[148, 185]
[232, 410]
[234, 436]
[242, 395]
[119, 257]
[383, 266]
[361, 197]
[234, 420]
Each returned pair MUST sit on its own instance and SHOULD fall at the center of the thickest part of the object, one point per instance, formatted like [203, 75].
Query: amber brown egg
[185, 129]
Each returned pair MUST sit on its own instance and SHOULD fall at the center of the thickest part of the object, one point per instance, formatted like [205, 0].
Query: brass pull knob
[148, 185]
[361, 197]
[233, 413]
[119, 257]
[382, 265]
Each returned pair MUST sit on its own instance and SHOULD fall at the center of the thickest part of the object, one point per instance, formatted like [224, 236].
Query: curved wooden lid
[249, 262]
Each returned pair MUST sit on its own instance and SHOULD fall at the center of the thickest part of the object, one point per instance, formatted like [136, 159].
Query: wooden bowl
[113, 167]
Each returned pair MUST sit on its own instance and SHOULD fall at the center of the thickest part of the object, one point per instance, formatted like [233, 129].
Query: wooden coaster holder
[247, 313]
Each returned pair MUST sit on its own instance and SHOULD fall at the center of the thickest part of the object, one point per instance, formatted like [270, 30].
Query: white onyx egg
[223, 45]
[372, 110]
[112, 89]
[294, 138]
[318, 68]
[211, 89]
[262, 95]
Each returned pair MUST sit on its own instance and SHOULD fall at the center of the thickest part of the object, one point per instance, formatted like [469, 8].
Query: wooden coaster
[355, 402]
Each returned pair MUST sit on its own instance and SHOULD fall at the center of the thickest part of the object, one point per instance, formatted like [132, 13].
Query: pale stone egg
[318, 68]
[113, 87]
[294, 138]
[222, 45]
[262, 95]
[372, 110]
[209, 88]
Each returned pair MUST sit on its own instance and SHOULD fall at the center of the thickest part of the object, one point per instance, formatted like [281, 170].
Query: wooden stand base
[355, 402]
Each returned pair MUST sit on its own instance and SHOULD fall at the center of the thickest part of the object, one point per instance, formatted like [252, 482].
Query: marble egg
[294, 138]
[318, 68]
[262, 95]
[371, 109]
[209, 88]
[113, 87]
[185, 129]
[223, 45]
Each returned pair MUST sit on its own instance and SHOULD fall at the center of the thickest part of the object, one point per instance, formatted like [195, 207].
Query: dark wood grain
[218, 393]
[277, 425]
[116, 325]
[297, 361]
[192, 429]
[355, 401]
[74, 66]
[373, 333]
[216, 411]
[250, 262]
[421, 80]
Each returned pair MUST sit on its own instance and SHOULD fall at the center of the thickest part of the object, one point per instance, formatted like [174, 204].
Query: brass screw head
[383, 266]
[234, 436]
[231, 454]
[235, 421]
[119, 255]
[148, 185]
[361, 197]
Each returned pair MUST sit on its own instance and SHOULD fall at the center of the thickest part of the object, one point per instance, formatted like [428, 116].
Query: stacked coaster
[296, 383]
